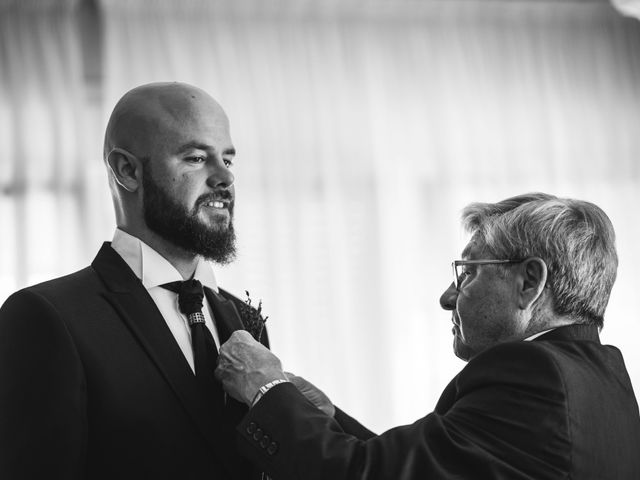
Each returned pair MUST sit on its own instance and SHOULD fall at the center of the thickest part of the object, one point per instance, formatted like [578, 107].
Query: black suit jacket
[94, 386]
[559, 407]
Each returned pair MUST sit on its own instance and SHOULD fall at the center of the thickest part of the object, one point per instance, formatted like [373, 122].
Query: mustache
[220, 195]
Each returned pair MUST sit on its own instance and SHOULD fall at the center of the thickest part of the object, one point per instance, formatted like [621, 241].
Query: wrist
[265, 388]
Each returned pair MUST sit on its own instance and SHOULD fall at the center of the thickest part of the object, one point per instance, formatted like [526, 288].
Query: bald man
[97, 367]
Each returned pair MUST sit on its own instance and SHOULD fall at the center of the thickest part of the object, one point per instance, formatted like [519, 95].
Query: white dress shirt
[155, 270]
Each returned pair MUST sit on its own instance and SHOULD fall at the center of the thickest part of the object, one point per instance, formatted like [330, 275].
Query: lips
[218, 200]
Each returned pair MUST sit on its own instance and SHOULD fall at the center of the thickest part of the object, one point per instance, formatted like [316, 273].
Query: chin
[462, 350]
[219, 227]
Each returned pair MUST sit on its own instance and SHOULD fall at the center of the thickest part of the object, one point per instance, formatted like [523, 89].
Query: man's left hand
[245, 365]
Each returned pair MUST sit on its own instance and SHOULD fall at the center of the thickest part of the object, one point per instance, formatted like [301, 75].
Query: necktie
[205, 353]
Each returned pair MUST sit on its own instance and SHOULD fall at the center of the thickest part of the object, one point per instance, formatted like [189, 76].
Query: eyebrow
[203, 146]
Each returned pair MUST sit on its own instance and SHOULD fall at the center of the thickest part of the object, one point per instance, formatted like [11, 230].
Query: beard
[176, 224]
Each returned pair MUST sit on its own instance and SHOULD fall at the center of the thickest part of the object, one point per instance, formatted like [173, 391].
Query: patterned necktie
[205, 353]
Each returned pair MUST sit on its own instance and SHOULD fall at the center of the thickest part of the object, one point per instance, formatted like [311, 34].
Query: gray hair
[575, 239]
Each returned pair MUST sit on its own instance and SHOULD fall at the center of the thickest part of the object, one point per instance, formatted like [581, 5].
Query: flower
[252, 317]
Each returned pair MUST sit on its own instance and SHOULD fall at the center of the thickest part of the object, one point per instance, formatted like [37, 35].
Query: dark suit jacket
[559, 407]
[94, 386]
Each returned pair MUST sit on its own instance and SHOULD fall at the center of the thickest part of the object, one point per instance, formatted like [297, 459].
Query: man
[97, 368]
[540, 398]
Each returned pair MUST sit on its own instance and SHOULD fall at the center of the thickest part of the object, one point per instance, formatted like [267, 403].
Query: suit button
[257, 435]
[265, 441]
[273, 448]
[251, 428]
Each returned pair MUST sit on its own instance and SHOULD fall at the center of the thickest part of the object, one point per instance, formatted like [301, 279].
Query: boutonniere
[252, 317]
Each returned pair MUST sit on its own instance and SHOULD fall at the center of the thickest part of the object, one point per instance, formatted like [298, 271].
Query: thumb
[240, 336]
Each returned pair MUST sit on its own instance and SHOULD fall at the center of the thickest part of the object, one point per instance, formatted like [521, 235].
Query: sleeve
[351, 426]
[502, 424]
[42, 393]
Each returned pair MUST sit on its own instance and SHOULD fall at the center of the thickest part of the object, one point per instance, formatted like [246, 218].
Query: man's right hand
[245, 365]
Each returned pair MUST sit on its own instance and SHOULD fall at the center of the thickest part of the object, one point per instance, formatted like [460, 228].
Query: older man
[107, 373]
[540, 398]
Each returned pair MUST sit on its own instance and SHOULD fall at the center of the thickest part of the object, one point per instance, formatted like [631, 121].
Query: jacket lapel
[137, 309]
[226, 314]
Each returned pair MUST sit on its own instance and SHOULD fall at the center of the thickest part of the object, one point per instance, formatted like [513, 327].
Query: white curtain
[45, 173]
[362, 128]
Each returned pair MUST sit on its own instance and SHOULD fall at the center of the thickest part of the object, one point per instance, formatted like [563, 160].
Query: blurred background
[363, 127]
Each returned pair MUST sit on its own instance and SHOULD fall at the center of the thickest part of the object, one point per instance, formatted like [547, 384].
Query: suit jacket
[558, 407]
[94, 386]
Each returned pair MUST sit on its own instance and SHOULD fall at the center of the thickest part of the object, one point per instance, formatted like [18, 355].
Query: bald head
[151, 115]
[169, 154]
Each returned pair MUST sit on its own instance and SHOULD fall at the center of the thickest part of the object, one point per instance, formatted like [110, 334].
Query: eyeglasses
[457, 270]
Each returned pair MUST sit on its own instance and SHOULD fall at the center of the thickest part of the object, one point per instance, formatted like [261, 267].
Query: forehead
[192, 122]
[166, 114]
[474, 249]
[160, 119]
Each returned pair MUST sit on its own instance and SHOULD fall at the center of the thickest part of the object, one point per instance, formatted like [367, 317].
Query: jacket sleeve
[501, 425]
[42, 393]
[351, 426]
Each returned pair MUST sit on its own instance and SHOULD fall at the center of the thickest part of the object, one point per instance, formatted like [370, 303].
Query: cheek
[473, 306]
[477, 315]
[184, 189]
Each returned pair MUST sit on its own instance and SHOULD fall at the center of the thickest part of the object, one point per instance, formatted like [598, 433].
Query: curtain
[46, 175]
[363, 127]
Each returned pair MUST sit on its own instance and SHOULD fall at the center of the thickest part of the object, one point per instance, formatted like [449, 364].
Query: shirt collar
[536, 335]
[151, 267]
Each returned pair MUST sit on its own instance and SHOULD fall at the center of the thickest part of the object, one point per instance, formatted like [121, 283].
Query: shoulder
[73, 285]
[512, 403]
[53, 296]
[512, 356]
[550, 358]
[37, 313]
[55, 285]
[526, 367]
[508, 378]
[547, 371]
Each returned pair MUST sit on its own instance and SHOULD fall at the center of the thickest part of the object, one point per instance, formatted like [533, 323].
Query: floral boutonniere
[252, 317]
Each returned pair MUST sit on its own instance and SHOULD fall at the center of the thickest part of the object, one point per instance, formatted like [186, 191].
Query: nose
[220, 175]
[449, 297]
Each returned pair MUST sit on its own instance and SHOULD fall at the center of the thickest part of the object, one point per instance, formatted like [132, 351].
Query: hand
[245, 365]
[313, 393]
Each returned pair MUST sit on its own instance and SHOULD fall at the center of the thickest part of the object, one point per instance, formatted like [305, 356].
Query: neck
[184, 262]
[546, 321]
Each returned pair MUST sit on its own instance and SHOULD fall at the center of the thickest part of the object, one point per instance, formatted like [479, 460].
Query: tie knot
[190, 295]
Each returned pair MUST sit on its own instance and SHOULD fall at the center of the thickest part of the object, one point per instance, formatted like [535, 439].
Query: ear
[533, 272]
[126, 169]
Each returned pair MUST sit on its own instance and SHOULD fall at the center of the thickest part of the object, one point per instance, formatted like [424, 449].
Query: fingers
[222, 370]
[298, 381]
[244, 365]
[227, 374]
[242, 335]
[226, 355]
